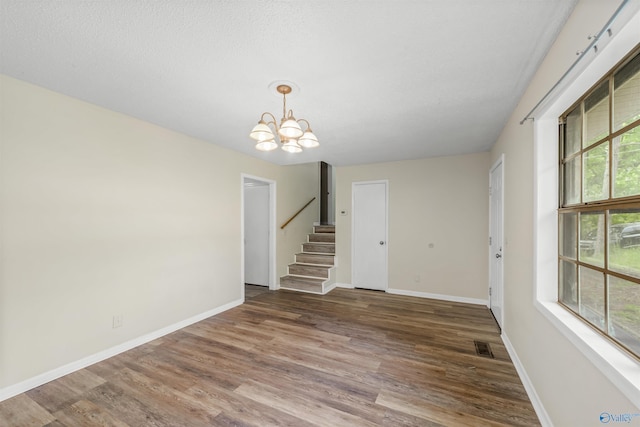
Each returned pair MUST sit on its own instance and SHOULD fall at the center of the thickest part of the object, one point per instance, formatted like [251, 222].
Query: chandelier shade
[291, 146]
[267, 145]
[308, 140]
[261, 132]
[290, 128]
[290, 134]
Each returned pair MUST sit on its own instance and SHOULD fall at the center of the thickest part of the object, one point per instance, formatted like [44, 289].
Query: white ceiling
[379, 80]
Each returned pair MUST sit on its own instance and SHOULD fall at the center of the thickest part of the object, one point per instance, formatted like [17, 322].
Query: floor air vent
[483, 349]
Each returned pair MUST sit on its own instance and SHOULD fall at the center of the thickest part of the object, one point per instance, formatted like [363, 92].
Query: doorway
[496, 241]
[327, 194]
[258, 232]
[369, 228]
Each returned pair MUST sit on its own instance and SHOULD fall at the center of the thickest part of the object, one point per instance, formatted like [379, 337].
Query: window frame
[615, 364]
[605, 205]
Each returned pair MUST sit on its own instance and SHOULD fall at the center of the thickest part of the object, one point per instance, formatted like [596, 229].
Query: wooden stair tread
[320, 248]
[316, 255]
[310, 264]
[303, 287]
[303, 278]
[309, 270]
[323, 259]
[324, 229]
[322, 238]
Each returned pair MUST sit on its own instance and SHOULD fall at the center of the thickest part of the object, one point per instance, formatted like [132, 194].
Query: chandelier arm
[274, 121]
[306, 122]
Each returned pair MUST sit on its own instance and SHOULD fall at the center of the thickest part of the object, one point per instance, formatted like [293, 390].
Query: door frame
[386, 227]
[324, 193]
[273, 283]
[496, 164]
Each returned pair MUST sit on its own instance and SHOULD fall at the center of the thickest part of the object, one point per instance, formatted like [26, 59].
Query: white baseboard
[543, 417]
[344, 285]
[38, 380]
[438, 297]
[329, 288]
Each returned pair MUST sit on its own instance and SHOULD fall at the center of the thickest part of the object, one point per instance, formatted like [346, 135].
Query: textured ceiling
[379, 80]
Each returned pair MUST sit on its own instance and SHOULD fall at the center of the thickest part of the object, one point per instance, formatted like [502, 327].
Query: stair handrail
[296, 214]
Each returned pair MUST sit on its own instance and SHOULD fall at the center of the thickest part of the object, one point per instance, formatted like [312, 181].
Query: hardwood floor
[348, 358]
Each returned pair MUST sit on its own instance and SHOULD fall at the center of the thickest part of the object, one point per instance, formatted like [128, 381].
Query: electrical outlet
[117, 321]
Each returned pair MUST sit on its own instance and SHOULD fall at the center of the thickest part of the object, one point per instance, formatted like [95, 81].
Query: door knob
[381, 242]
[498, 256]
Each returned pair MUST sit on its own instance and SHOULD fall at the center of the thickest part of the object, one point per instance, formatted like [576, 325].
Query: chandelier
[289, 133]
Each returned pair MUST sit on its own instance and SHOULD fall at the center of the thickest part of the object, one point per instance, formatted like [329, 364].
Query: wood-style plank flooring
[348, 358]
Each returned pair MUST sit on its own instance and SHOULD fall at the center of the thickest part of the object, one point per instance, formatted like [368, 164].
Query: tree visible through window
[599, 207]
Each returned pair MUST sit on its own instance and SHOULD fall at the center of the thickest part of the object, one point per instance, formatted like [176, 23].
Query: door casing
[273, 284]
[256, 233]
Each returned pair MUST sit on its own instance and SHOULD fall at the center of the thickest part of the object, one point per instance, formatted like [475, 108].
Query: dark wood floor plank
[268, 312]
[238, 410]
[251, 291]
[55, 395]
[173, 403]
[84, 413]
[129, 409]
[227, 334]
[334, 391]
[320, 359]
[299, 406]
[431, 412]
[22, 411]
[348, 358]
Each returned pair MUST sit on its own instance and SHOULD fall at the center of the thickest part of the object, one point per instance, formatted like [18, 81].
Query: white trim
[324, 292]
[329, 288]
[345, 285]
[274, 284]
[452, 298]
[38, 380]
[621, 369]
[543, 417]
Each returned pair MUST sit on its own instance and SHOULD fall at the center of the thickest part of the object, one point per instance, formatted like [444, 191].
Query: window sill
[621, 369]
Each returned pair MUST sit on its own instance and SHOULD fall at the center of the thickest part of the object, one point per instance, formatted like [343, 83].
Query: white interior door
[256, 233]
[496, 241]
[369, 258]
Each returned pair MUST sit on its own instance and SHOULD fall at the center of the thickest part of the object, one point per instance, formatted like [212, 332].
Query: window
[599, 206]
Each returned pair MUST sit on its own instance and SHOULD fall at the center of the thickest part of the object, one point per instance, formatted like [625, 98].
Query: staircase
[314, 266]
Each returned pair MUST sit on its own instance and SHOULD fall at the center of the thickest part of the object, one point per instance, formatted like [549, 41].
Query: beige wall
[444, 201]
[105, 215]
[572, 390]
[297, 185]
